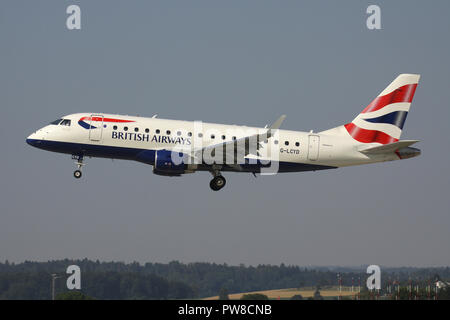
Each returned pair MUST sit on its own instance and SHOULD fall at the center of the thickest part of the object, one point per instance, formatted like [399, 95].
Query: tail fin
[383, 119]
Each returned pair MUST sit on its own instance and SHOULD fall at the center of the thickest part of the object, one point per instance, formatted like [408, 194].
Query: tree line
[176, 280]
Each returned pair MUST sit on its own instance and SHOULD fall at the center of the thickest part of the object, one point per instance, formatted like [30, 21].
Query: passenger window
[115, 128]
[189, 134]
[213, 136]
[223, 137]
[200, 135]
[136, 129]
[275, 142]
[297, 144]
[286, 143]
[234, 138]
[178, 133]
[157, 131]
[147, 130]
[168, 132]
[125, 128]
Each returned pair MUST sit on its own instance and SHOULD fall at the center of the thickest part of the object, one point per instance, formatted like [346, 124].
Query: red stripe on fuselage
[402, 94]
[105, 119]
[368, 136]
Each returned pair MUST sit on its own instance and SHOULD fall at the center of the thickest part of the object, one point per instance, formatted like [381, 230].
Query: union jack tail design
[383, 119]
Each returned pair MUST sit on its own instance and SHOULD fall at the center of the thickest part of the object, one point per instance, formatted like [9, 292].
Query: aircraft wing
[246, 145]
[391, 147]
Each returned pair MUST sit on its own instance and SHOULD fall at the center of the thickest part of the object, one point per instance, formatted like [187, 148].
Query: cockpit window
[56, 122]
[65, 122]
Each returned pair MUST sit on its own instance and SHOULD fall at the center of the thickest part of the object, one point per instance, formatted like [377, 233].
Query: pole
[352, 284]
[359, 288]
[410, 289]
[397, 297]
[53, 286]
[340, 288]
[435, 292]
[54, 277]
[429, 290]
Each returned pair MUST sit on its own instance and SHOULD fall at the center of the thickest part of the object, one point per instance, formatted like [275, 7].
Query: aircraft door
[313, 147]
[96, 127]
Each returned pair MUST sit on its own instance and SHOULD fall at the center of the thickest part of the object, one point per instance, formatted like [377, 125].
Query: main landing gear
[218, 182]
[77, 173]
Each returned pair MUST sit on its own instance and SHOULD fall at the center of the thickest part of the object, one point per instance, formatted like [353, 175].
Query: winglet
[277, 124]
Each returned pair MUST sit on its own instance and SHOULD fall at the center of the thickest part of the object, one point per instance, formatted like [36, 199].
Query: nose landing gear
[77, 173]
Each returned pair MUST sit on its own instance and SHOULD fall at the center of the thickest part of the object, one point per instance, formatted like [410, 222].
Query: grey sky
[242, 62]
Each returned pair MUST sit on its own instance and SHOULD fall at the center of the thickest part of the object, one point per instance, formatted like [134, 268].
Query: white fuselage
[123, 140]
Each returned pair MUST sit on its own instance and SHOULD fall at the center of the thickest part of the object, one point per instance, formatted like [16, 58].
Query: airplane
[175, 147]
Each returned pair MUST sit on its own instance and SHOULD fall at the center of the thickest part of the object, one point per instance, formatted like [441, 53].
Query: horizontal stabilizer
[391, 147]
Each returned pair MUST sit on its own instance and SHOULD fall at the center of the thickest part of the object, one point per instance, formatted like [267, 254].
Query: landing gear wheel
[77, 174]
[217, 183]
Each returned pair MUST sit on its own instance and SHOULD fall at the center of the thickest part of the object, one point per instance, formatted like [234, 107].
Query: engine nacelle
[169, 163]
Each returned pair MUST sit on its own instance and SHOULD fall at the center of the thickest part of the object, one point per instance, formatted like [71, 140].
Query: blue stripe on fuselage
[89, 150]
[147, 155]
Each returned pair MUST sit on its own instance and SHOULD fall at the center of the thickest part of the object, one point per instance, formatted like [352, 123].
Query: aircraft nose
[32, 140]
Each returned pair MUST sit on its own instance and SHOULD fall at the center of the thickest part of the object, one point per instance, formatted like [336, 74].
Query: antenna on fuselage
[154, 116]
